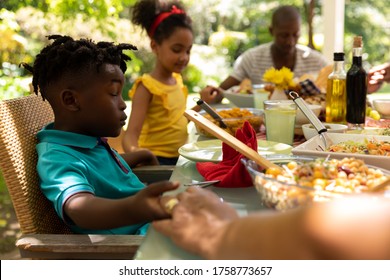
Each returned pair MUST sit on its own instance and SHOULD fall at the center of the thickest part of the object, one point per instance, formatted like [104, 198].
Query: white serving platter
[310, 148]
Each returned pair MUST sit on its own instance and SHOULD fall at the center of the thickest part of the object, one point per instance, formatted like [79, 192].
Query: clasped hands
[198, 218]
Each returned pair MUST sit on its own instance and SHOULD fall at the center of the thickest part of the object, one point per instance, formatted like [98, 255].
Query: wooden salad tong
[230, 140]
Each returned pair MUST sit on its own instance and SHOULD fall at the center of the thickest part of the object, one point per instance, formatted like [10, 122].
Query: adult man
[283, 51]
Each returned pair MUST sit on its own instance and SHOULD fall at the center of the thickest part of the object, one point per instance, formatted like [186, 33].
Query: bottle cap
[338, 56]
[357, 42]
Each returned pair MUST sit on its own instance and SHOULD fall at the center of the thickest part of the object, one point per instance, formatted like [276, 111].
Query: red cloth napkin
[230, 171]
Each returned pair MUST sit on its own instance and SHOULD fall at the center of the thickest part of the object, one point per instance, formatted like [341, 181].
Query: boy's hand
[140, 157]
[150, 197]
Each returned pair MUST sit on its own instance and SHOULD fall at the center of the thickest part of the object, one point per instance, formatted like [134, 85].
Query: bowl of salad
[304, 180]
[372, 149]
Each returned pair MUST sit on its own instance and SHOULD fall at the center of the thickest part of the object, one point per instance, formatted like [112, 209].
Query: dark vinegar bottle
[356, 88]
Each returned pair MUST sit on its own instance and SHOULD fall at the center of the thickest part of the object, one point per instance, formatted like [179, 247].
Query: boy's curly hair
[68, 56]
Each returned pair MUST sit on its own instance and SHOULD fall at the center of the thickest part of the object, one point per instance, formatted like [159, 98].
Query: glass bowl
[285, 193]
[234, 119]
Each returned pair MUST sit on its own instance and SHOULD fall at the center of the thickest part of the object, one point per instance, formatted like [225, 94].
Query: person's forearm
[267, 235]
[130, 140]
[355, 228]
[90, 212]
[229, 82]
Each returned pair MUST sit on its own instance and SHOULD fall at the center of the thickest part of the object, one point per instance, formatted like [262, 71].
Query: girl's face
[173, 54]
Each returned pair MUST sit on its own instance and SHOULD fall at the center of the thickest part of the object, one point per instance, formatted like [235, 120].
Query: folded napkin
[230, 171]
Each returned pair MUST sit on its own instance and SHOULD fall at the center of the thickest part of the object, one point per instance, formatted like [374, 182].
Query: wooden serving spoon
[381, 186]
[230, 140]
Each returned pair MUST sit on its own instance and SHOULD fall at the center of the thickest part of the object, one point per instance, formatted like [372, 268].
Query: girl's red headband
[161, 17]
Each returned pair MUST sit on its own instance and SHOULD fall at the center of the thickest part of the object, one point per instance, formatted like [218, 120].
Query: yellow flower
[282, 78]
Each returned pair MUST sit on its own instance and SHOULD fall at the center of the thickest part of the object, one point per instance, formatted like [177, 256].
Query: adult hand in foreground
[198, 220]
[348, 228]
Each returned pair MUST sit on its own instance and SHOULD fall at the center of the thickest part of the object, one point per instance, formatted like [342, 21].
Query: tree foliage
[223, 28]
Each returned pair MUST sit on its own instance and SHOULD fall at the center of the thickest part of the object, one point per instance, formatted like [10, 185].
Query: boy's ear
[69, 100]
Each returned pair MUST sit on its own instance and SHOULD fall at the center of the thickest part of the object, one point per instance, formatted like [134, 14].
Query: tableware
[381, 123]
[204, 184]
[228, 139]
[235, 120]
[321, 129]
[280, 120]
[286, 194]
[210, 111]
[310, 148]
[259, 95]
[383, 107]
[211, 150]
[382, 186]
[309, 131]
[241, 100]
[370, 131]
[301, 118]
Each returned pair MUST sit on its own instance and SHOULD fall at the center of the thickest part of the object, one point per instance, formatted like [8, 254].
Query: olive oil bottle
[336, 94]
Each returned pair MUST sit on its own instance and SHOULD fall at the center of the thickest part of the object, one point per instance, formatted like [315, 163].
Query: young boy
[92, 188]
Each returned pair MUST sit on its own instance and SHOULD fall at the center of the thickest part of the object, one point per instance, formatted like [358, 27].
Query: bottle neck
[357, 51]
[357, 56]
[338, 66]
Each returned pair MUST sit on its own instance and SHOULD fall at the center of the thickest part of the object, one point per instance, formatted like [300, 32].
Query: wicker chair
[44, 233]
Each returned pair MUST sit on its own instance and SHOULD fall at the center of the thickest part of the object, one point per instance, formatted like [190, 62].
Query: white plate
[309, 148]
[368, 131]
[211, 150]
[241, 100]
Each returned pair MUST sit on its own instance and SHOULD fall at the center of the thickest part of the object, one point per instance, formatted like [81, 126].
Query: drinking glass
[259, 95]
[280, 120]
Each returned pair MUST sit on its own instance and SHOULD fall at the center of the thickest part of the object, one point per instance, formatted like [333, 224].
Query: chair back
[20, 120]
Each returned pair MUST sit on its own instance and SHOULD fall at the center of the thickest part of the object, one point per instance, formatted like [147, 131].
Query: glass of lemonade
[259, 95]
[280, 120]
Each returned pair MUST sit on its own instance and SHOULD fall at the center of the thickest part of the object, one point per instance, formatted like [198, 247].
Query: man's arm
[353, 228]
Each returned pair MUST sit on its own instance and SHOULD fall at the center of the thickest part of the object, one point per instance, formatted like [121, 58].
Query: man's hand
[198, 222]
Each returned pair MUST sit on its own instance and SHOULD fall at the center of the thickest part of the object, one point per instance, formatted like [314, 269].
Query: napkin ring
[171, 204]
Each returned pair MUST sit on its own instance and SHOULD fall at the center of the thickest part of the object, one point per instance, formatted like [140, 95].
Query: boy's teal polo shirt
[70, 163]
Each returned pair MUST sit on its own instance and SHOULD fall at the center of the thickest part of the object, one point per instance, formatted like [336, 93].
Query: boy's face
[101, 104]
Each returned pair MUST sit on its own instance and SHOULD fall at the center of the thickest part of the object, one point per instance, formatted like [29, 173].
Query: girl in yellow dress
[159, 98]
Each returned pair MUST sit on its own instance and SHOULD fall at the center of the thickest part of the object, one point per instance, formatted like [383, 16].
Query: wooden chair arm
[153, 173]
[78, 246]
